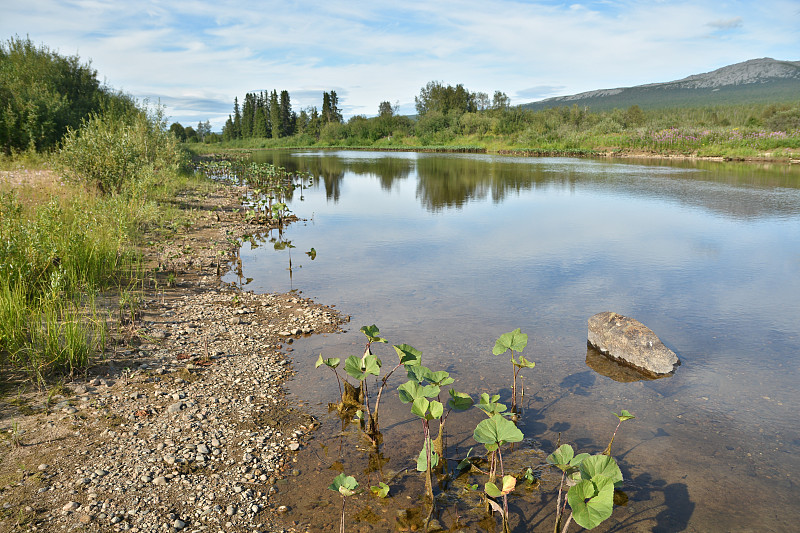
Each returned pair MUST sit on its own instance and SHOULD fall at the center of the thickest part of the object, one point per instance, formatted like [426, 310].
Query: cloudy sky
[196, 56]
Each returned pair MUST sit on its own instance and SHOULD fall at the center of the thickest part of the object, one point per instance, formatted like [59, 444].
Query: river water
[445, 252]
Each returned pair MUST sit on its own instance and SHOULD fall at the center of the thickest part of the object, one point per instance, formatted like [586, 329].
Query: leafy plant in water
[516, 342]
[623, 416]
[331, 363]
[346, 486]
[420, 395]
[493, 433]
[591, 480]
[381, 490]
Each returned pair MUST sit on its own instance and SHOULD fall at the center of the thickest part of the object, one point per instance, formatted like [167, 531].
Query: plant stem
[607, 451]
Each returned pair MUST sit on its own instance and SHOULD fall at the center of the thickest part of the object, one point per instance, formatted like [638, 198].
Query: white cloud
[198, 55]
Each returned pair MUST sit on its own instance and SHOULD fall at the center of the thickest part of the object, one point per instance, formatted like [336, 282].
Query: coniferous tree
[275, 114]
[286, 115]
[236, 132]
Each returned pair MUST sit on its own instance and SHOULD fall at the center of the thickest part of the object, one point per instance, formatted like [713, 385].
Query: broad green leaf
[437, 409]
[371, 364]
[420, 407]
[490, 405]
[422, 460]
[360, 368]
[411, 390]
[333, 362]
[492, 490]
[624, 415]
[440, 378]
[497, 431]
[381, 490]
[352, 365]
[408, 355]
[601, 465]
[513, 340]
[561, 457]
[417, 373]
[344, 485]
[509, 484]
[591, 501]
[460, 401]
[522, 362]
[373, 333]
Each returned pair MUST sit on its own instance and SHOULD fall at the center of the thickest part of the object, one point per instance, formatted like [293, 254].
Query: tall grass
[60, 247]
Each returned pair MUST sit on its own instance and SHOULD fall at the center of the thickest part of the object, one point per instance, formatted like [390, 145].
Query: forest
[456, 118]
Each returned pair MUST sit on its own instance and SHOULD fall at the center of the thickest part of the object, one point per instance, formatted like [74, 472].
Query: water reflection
[451, 181]
[446, 252]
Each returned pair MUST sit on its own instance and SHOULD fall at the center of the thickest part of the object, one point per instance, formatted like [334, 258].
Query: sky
[195, 56]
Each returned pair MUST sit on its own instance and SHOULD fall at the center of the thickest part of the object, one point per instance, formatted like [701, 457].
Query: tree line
[44, 94]
[266, 114]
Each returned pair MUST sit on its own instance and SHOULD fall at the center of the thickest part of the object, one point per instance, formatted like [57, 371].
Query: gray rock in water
[630, 342]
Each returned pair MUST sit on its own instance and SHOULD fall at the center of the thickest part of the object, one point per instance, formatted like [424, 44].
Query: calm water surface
[446, 252]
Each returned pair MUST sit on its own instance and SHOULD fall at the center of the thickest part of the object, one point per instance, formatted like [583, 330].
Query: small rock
[43, 467]
[160, 480]
[175, 407]
[70, 506]
[178, 524]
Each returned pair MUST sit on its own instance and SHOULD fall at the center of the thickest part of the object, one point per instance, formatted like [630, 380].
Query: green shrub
[113, 151]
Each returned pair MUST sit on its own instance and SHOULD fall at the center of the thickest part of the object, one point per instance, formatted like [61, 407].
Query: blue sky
[196, 56]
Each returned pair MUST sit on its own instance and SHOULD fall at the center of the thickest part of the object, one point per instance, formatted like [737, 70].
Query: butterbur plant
[622, 416]
[591, 480]
[516, 342]
[493, 433]
[493, 491]
[420, 395]
[346, 486]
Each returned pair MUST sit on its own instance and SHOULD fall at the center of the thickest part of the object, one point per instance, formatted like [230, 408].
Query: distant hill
[763, 80]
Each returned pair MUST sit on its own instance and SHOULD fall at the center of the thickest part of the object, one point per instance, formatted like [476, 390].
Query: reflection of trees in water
[741, 191]
[331, 168]
[452, 182]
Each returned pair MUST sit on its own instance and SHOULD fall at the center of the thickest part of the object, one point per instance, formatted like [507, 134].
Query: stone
[630, 342]
[70, 506]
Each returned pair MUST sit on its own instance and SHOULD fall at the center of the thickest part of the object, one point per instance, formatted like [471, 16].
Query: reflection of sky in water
[569, 238]
[708, 257]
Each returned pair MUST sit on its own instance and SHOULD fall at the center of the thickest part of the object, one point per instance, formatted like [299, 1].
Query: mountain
[762, 80]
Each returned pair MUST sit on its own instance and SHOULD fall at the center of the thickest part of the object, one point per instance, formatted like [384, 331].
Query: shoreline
[524, 152]
[185, 426]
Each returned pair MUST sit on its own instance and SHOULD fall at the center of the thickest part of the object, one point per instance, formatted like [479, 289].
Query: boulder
[630, 342]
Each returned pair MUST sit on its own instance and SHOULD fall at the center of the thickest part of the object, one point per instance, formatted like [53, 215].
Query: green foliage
[42, 94]
[490, 405]
[381, 490]
[496, 431]
[332, 362]
[509, 483]
[344, 485]
[121, 150]
[624, 415]
[513, 340]
[360, 367]
[373, 334]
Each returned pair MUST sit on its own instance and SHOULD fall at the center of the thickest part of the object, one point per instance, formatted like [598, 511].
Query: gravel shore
[184, 425]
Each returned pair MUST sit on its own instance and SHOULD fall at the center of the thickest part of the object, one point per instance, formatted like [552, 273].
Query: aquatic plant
[515, 341]
[592, 479]
[623, 416]
[493, 433]
[346, 486]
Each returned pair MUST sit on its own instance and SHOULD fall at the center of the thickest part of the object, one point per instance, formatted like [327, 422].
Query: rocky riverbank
[184, 425]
